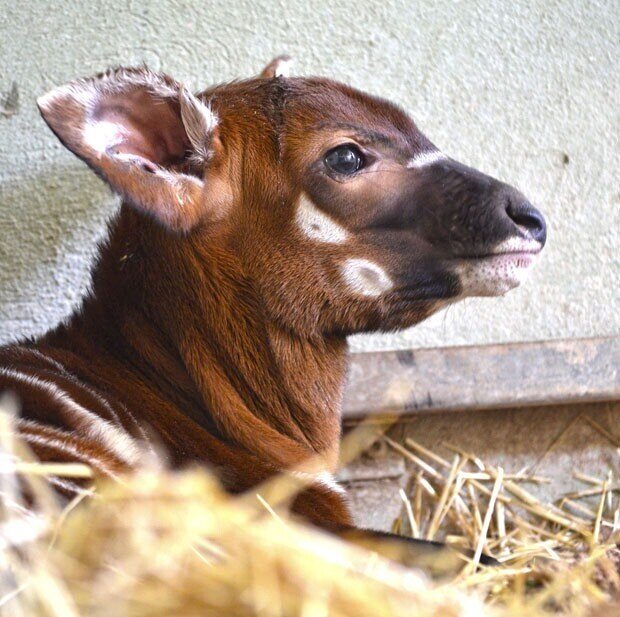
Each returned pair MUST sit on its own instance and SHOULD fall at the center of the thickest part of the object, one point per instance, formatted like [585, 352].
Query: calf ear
[136, 129]
[278, 67]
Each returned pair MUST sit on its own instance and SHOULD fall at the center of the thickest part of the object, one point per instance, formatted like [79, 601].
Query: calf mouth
[500, 270]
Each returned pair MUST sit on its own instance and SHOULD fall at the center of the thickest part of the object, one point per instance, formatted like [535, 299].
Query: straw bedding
[163, 543]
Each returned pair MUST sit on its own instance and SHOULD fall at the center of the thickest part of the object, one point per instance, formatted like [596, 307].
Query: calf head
[331, 204]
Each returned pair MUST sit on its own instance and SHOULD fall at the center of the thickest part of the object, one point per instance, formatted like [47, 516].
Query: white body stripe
[426, 158]
[317, 225]
[327, 479]
[324, 478]
[62, 446]
[365, 277]
[102, 401]
[57, 365]
[97, 428]
[69, 486]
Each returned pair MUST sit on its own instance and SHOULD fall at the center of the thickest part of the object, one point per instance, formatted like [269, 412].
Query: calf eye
[344, 160]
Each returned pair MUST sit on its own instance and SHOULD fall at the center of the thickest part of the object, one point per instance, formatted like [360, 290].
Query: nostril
[529, 219]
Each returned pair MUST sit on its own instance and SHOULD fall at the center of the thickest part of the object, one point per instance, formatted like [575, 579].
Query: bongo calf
[262, 222]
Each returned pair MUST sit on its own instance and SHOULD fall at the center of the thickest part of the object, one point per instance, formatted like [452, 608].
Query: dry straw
[163, 543]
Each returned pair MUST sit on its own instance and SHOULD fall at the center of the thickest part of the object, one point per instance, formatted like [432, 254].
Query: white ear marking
[100, 136]
[278, 67]
[283, 67]
[504, 269]
[72, 92]
[317, 225]
[365, 277]
[86, 91]
[426, 158]
[199, 121]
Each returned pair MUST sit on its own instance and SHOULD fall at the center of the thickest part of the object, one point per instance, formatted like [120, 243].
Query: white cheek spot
[365, 277]
[101, 136]
[425, 159]
[317, 225]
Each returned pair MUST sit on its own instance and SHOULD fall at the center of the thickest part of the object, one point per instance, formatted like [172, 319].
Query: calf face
[340, 213]
[389, 227]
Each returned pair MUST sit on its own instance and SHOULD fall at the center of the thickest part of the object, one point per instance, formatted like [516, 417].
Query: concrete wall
[527, 91]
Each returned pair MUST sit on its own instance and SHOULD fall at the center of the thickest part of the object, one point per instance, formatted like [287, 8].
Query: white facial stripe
[317, 225]
[426, 158]
[365, 277]
[103, 135]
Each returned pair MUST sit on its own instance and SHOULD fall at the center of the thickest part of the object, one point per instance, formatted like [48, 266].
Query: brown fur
[215, 332]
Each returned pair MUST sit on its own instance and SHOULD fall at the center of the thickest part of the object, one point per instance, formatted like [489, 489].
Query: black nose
[530, 220]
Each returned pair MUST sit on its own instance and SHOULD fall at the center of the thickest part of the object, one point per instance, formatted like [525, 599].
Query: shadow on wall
[50, 222]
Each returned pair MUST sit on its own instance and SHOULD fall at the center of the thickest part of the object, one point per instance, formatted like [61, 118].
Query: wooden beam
[483, 377]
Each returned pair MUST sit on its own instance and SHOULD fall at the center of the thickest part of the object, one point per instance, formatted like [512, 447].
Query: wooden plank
[483, 377]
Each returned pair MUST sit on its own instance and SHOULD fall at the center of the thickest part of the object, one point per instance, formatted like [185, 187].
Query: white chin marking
[365, 277]
[495, 275]
[426, 158]
[317, 225]
[103, 135]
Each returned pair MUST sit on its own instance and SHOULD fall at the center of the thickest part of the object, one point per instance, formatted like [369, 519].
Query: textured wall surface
[526, 91]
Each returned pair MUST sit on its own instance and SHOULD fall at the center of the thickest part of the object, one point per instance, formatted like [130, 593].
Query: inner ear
[131, 126]
[137, 124]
